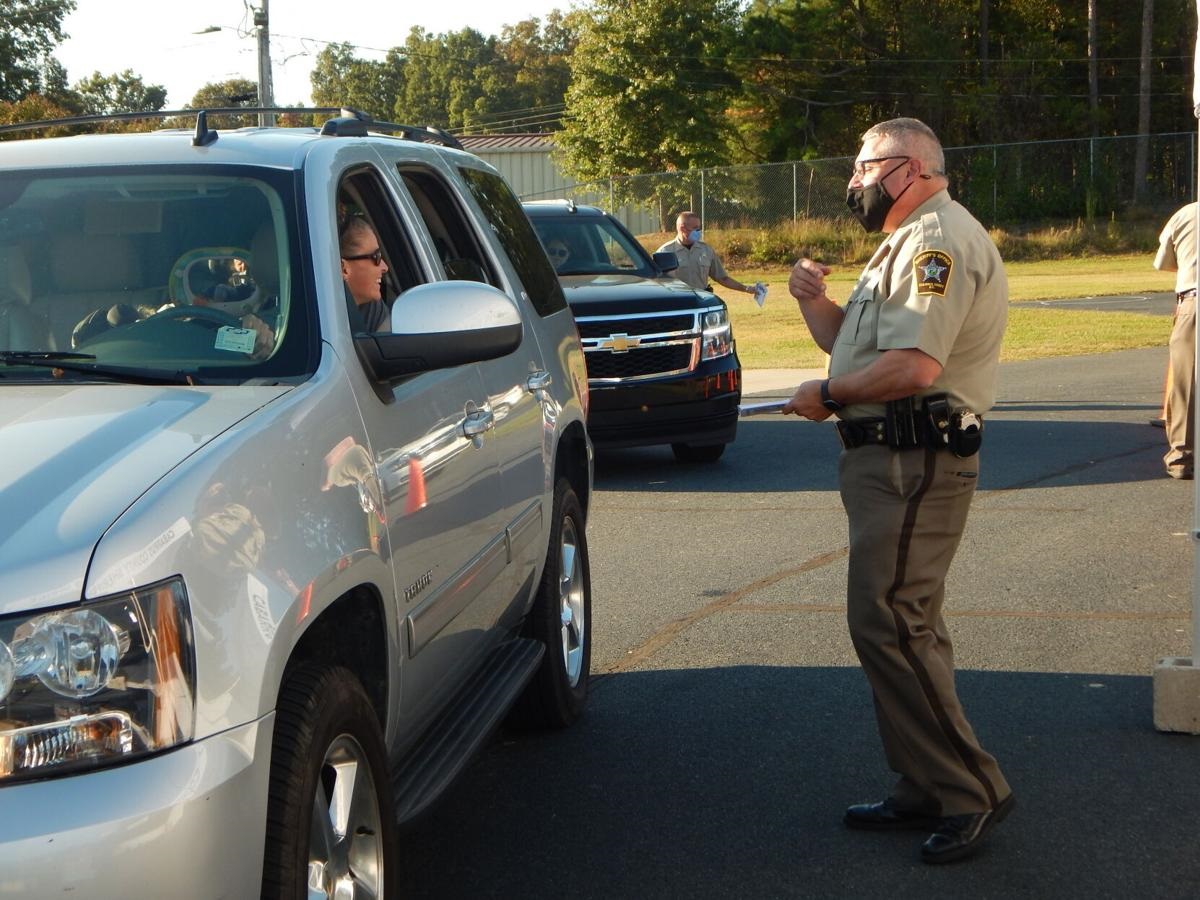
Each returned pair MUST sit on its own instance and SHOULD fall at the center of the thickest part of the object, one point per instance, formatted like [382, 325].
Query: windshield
[592, 245]
[182, 275]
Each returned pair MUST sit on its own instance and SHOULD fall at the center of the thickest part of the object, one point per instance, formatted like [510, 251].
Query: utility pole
[265, 94]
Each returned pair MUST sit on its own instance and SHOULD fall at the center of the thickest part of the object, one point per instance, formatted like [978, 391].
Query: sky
[156, 39]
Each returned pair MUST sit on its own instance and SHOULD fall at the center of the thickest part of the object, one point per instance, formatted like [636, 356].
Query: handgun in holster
[959, 430]
[966, 433]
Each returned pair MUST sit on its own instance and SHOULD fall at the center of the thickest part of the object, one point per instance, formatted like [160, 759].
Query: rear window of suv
[507, 218]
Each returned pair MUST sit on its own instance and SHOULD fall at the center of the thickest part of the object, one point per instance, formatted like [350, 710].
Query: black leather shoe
[886, 816]
[957, 837]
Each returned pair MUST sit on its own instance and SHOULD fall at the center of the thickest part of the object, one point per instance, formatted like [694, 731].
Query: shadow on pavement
[730, 783]
[794, 455]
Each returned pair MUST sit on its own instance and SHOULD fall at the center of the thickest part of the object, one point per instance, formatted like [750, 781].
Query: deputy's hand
[807, 281]
[806, 402]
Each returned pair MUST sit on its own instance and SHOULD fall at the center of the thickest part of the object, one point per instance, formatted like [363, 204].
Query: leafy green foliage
[219, 94]
[32, 108]
[339, 78]
[816, 73]
[459, 80]
[649, 89]
[123, 92]
[29, 30]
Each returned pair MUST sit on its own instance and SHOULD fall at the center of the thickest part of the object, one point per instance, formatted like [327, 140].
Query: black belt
[860, 432]
[1185, 295]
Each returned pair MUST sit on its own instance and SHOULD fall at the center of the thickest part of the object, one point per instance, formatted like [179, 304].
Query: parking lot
[729, 724]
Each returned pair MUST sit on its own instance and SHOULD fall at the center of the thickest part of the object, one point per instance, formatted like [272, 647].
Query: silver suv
[268, 575]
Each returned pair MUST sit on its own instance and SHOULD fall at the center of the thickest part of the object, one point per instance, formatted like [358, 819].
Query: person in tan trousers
[1177, 253]
[914, 356]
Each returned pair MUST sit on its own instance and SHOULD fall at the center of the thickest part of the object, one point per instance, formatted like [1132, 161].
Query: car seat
[89, 272]
[20, 327]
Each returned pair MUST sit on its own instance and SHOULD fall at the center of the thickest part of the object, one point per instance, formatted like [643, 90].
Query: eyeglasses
[862, 167]
[375, 256]
[558, 252]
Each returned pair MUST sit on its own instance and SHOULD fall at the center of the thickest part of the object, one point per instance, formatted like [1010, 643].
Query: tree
[786, 86]
[123, 92]
[339, 78]
[32, 108]
[54, 86]
[457, 80]
[218, 94]
[540, 56]
[454, 80]
[1093, 41]
[29, 30]
[1141, 160]
[649, 89]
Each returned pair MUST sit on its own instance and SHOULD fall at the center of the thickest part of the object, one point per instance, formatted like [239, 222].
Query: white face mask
[695, 235]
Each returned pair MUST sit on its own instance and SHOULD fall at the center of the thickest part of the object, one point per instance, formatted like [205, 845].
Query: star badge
[931, 271]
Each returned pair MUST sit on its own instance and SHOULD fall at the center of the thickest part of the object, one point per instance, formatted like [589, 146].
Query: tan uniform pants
[1179, 411]
[907, 510]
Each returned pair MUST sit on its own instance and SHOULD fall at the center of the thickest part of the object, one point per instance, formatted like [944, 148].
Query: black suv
[660, 355]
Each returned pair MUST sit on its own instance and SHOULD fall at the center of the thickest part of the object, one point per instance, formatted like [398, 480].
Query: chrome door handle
[539, 381]
[478, 422]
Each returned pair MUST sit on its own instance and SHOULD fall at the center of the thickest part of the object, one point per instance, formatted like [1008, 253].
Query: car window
[362, 196]
[512, 227]
[458, 247]
[187, 273]
[591, 245]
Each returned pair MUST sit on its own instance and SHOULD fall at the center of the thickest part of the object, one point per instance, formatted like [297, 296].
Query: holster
[930, 422]
[900, 424]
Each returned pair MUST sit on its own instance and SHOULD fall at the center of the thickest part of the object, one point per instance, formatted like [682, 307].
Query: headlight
[96, 684]
[717, 339]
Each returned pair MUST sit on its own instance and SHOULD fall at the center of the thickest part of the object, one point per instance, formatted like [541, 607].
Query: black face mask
[871, 203]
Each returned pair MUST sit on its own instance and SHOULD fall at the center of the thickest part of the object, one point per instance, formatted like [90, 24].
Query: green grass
[776, 337]
[1071, 259]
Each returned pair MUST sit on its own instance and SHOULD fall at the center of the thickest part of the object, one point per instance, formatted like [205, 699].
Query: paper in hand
[760, 293]
[763, 408]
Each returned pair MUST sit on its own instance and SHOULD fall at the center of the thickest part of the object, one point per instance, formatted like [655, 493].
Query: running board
[454, 736]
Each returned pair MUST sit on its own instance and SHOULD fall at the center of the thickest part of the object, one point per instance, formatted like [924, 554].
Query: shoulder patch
[931, 271]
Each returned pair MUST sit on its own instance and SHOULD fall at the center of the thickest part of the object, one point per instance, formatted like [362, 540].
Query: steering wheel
[207, 313]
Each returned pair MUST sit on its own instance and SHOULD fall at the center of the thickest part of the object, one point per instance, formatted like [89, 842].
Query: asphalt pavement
[729, 724]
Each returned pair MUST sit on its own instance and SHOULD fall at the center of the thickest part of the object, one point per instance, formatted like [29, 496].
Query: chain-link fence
[1002, 184]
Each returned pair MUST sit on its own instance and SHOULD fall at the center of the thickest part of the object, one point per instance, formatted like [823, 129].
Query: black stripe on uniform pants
[904, 636]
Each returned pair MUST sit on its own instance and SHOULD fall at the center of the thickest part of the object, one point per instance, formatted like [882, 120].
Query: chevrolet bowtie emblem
[619, 343]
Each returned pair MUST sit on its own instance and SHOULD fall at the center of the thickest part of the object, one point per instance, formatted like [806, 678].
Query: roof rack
[348, 122]
[356, 123]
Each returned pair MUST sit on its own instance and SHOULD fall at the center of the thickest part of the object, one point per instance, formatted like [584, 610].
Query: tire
[328, 745]
[697, 453]
[561, 619]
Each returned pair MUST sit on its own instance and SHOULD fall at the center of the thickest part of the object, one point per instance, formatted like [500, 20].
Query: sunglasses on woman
[375, 256]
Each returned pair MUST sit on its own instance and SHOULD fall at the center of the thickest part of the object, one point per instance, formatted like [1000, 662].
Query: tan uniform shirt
[937, 284]
[1177, 248]
[696, 263]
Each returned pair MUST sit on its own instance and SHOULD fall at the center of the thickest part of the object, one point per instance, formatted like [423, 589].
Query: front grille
[638, 363]
[602, 328]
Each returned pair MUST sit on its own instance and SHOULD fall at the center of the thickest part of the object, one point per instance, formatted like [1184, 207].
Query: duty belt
[1186, 295]
[860, 432]
[911, 422]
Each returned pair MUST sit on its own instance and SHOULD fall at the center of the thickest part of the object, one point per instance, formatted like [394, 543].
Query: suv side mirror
[666, 261]
[440, 325]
